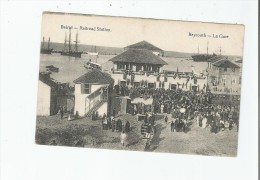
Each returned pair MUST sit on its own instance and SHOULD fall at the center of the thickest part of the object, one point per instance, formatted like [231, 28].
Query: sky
[169, 35]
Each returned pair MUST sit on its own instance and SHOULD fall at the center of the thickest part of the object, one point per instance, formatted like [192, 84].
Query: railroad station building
[142, 67]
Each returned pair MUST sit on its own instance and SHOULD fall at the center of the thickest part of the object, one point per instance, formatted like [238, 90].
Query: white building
[47, 96]
[92, 93]
[43, 99]
[224, 75]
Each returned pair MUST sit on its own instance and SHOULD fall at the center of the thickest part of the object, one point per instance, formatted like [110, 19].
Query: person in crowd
[113, 125]
[162, 107]
[61, 112]
[93, 116]
[230, 124]
[237, 122]
[213, 127]
[154, 129]
[148, 131]
[166, 119]
[204, 121]
[184, 125]
[123, 138]
[222, 124]
[119, 126]
[172, 126]
[127, 127]
[146, 118]
[114, 112]
[200, 121]
[109, 126]
[104, 123]
[104, 116]
[97, 116]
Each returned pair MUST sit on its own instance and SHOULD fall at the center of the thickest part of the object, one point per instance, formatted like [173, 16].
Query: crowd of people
[110, 122]
[198, 107]
[114, 124]
[186, 106]
[217, 117]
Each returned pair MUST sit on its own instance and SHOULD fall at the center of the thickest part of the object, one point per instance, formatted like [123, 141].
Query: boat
[56, 52]
[52, 68]
[46, 50]
[68, 51]
[203, 57]
[92, 65]
[95, 53]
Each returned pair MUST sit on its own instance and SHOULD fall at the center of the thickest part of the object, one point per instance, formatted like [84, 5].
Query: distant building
[92, 93]
[144, 45]
[224, 75]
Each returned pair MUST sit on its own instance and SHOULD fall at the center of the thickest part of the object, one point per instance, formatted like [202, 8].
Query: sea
[71, 68]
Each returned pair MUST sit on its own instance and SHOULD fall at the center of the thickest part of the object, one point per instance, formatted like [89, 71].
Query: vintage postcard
[139, 84]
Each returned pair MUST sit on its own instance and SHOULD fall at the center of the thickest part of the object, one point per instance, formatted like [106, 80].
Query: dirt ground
[195, 140]
[87, 133]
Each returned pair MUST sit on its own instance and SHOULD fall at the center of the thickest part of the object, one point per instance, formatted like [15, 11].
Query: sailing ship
[95, 53]
[202, 57]
[68, 48]
[91, 53]
[46, 50]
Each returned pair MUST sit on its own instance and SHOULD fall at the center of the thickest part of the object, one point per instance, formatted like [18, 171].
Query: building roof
[226, 64]
[144, 45]
[140, 56]
[217, 58]
[95, 76]
[239, 61]
[45, 78]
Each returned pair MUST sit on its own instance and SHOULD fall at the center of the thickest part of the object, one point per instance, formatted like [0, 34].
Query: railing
[225, 90]
[167, 73]
[95, 98]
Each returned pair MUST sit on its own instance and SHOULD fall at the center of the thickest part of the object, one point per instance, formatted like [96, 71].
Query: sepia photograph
[138, 84]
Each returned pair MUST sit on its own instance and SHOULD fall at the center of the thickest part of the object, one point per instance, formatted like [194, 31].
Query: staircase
[144, 130]
[95, 108]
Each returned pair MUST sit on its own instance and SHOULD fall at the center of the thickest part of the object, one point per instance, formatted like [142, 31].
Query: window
[233, 81]
[233, 69]
[224, 81]
[87, 88]
[120, 66]
[225, 69]
[195, 80]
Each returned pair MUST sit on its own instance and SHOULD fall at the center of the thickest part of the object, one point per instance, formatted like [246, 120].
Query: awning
[141, 100]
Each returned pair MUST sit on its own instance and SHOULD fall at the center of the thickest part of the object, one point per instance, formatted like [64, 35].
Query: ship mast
[49, 40]
[69, 40]
[65, 42]
[76, 42]
[198, 49]
[43, 43]
[220, 50]
[207, 48]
